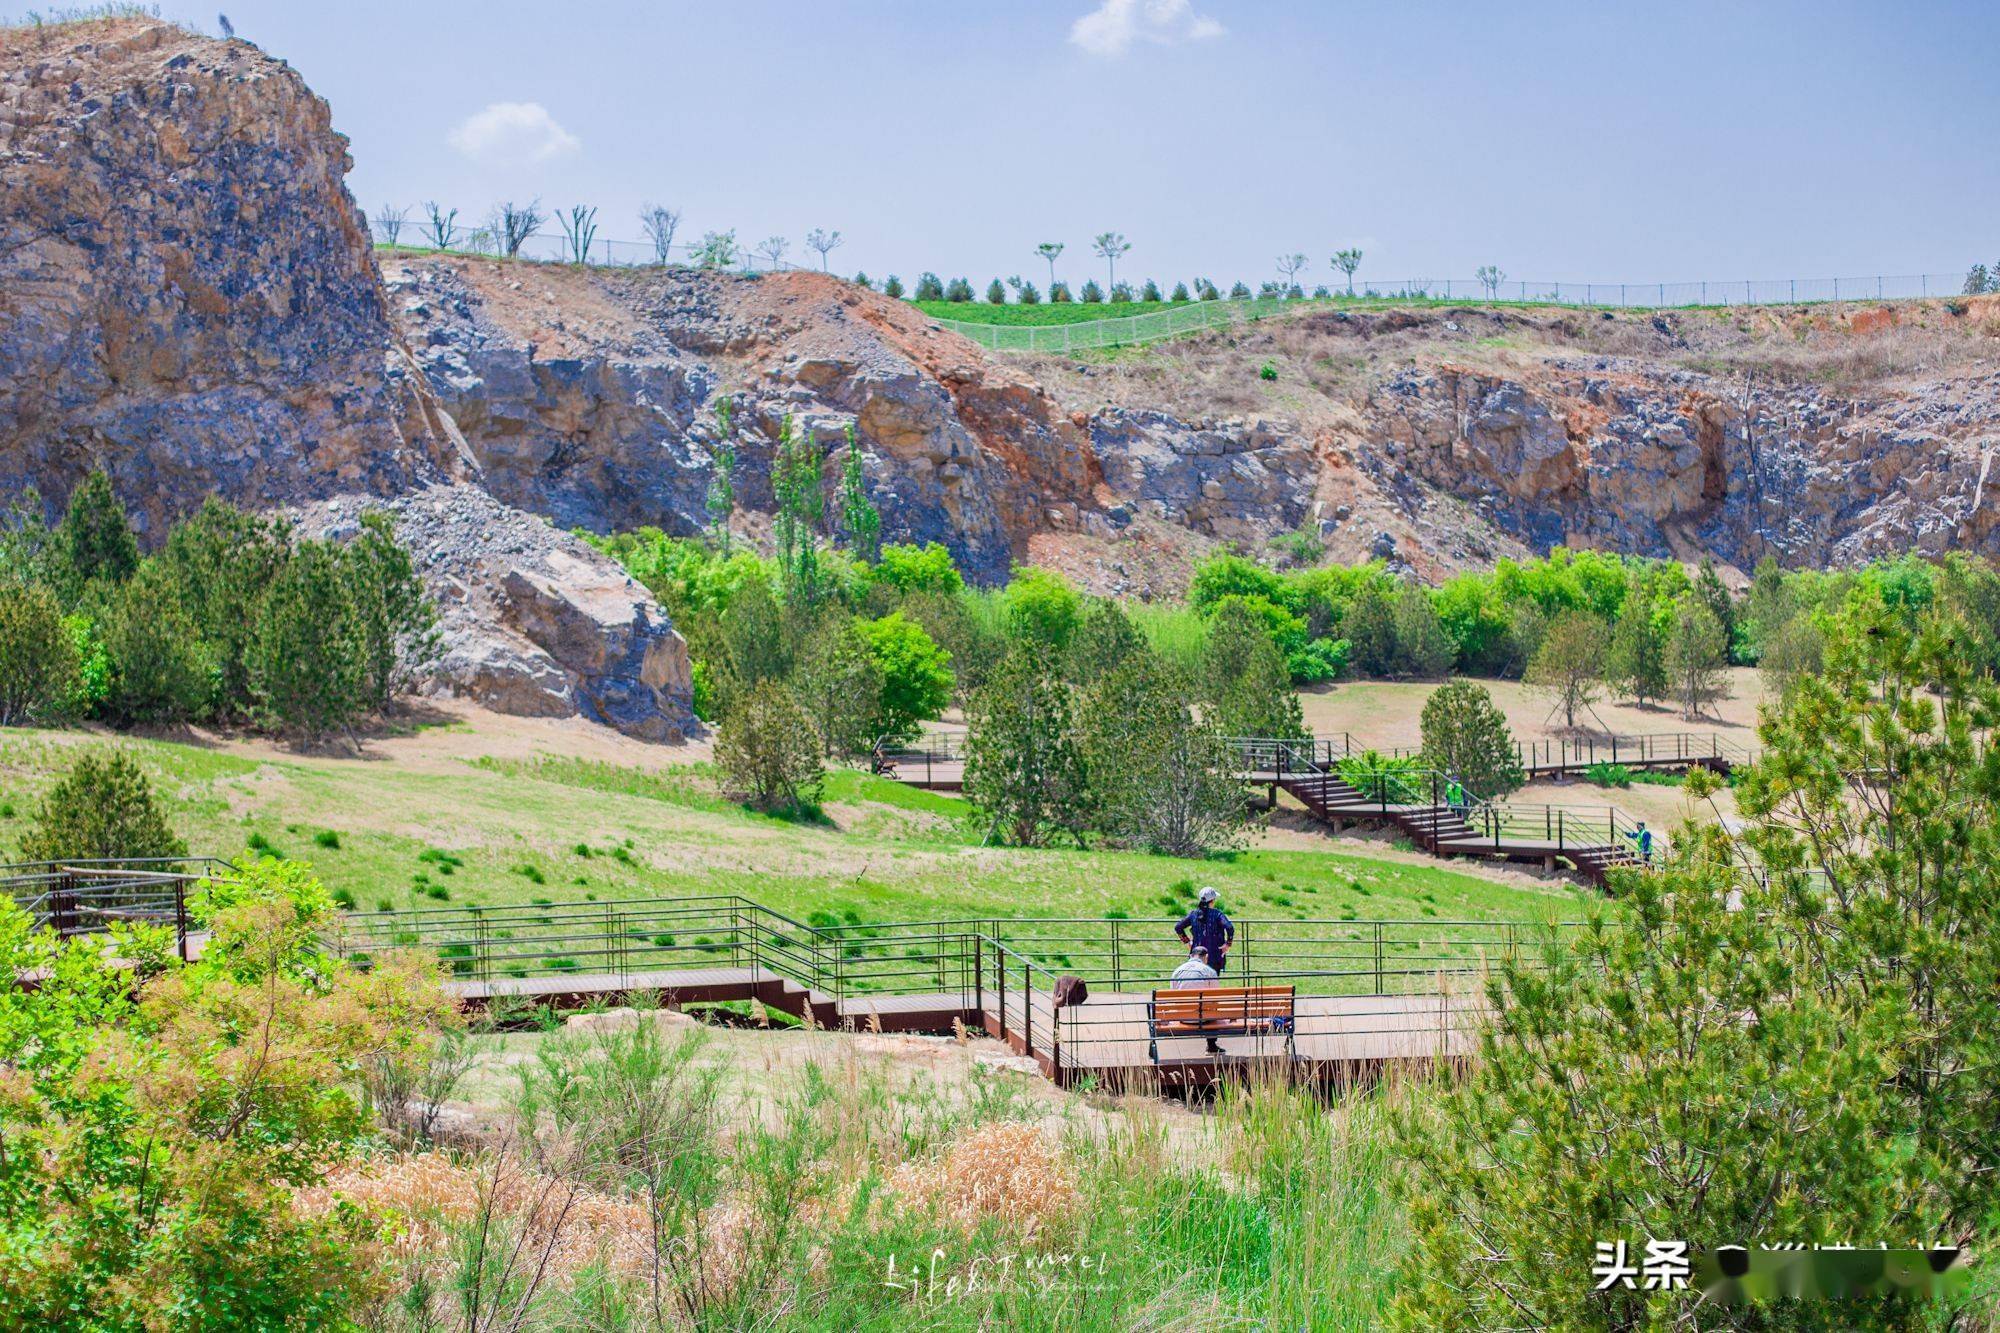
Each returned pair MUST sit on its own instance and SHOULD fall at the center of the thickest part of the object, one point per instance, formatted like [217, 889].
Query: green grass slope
[490, 831]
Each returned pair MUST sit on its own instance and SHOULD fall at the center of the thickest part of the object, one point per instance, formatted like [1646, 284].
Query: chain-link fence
[1186, 317]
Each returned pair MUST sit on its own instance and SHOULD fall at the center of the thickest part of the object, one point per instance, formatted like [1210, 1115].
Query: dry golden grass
[1006, 1171]
[425, 1196]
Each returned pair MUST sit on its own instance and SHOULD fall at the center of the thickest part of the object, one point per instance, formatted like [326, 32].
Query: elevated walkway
[1369, 994]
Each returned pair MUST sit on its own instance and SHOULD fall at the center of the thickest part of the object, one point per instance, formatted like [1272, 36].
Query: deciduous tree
[1465, 734]
[768, 752]
[1569, 664]
[1023, 766]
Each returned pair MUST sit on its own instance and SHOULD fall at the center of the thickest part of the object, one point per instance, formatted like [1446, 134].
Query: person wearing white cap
[1208, 929]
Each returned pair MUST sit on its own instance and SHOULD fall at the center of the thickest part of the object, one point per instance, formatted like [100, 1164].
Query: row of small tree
[235, 619]
[510, 225]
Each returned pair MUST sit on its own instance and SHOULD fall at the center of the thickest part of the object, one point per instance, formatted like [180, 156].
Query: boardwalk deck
[1104, 1038]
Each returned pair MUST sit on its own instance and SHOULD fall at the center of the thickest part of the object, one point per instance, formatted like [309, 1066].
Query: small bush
[1267, 371]
[385, 905]
[560, 964]
[1608, 775]
[582, 849]
[437, 891]
[102, 808]
[533, 874]
[343, 900]
[328, 839]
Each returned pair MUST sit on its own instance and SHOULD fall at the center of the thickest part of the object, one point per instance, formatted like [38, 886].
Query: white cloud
[1110, 29]
[513, 133]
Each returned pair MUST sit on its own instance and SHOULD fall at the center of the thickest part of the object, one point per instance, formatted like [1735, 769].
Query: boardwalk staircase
[1435, 810]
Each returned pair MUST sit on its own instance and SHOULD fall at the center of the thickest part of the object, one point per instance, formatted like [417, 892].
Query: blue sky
[1601, 142]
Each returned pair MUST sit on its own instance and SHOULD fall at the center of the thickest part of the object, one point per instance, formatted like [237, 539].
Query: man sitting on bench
[1195, 974]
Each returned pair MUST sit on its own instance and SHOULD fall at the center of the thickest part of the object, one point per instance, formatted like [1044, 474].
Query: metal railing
[926, 756]
[1003, 971]
[89, 896]
[1671, 748]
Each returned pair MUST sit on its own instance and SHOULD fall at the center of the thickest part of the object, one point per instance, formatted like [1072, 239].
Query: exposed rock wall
[591, 396]
[189, 300]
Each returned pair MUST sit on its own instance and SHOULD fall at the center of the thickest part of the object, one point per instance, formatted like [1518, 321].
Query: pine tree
[1569, 664]
[395, 620]
[768, 752]
[1636, 662]
[38, 661]
[1465, 735]
[102, 809]
[1245, 679]
[305, 659]
[839, 685]
[1162, 772]
[222, 562]
[94, 541]
[1709, 588]
[1697, 658]
[162, 669]
[1423, 649]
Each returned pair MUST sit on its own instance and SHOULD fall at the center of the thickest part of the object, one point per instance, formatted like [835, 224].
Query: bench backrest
[1222, 1004]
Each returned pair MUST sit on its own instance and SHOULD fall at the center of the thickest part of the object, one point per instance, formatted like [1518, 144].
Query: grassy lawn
[487, 830]
[1067, 312]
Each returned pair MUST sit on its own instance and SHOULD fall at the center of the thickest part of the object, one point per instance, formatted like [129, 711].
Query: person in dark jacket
[1207, 928]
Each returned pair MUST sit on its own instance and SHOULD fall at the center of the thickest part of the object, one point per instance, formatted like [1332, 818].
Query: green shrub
[437, 891]
[768, 752]
[1267, 371]
[39, 660]
[327, 838]
[343, 899]
[1608, 775]
[103, 808]
[582, 849]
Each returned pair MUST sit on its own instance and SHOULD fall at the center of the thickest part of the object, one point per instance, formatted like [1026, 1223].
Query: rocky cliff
[188, 299]
[1439, 439]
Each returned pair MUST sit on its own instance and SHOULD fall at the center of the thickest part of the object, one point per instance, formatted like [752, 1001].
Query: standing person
[1642, 842]
[1206, 928]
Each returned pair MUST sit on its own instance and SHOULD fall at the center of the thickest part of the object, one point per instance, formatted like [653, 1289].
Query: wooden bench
[1219, 1011]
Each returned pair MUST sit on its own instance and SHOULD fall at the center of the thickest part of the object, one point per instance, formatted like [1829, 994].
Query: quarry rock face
[1233, 480]
[1626, 457]
[189, 300]
[592, 396]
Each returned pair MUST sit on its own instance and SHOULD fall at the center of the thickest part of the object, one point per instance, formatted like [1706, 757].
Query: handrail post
[1559, 830]
[1027, 1012]
[1117, 963]
[1378, 957]
[181, 918]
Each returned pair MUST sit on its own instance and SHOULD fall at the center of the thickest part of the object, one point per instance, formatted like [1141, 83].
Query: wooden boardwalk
[1105, 1039]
